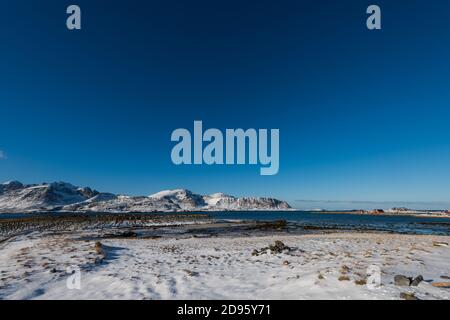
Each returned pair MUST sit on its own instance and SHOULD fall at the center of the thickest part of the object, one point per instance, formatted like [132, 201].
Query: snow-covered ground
[326, 266]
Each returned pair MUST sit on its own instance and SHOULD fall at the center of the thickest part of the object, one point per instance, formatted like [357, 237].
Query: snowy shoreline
[190, 263]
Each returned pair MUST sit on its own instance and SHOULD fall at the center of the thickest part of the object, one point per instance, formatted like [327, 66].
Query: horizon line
[373, 202]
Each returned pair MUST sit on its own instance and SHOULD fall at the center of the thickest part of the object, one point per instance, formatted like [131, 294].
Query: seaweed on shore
[279, 225]
[60, 223]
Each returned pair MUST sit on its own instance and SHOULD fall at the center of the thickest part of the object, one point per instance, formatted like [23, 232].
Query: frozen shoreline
[182, 265]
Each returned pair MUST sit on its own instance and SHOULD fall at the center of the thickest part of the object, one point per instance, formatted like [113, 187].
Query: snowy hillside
[61, 196]
[14, 196]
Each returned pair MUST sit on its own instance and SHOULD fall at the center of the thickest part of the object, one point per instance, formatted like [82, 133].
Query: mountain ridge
[64, 197]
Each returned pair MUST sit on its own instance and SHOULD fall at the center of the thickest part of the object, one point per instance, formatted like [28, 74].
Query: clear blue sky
[362, 115]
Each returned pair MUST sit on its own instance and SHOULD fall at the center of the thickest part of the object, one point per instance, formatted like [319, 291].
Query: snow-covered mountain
[61, 196]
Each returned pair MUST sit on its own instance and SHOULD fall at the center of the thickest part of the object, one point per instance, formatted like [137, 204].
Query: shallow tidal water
[315, 220]
[357, 222]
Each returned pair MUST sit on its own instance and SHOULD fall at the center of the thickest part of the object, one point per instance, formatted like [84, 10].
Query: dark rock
[191, 273]
[99, 248]
[345, 269]
[401, 280]
[278, 247]
[416, 281]
[408, 296]
[360, 282]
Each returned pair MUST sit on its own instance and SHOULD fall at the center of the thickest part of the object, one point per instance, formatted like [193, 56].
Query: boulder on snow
[401, 280]
[408, 296]
[416, 281]
[278, 247]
